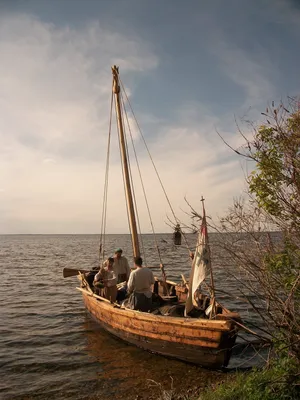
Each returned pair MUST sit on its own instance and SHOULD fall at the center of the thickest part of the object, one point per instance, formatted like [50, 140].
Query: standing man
[121, 266]
[139, 287]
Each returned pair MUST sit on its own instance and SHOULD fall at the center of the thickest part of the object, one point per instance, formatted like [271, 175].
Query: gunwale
[224, 325]
[204, 342]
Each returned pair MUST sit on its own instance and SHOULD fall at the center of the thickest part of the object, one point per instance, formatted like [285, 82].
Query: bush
[280, 381]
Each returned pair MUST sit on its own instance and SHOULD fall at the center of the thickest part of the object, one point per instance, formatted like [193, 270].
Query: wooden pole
[73, 272]
[211, 273]
[129, 198]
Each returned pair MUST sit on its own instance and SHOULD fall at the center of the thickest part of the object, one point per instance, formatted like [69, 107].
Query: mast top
[115, 72]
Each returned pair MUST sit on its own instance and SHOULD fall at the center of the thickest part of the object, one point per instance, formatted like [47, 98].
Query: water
[50, 348]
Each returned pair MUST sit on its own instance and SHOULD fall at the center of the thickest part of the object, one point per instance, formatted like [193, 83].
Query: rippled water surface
[51, 348]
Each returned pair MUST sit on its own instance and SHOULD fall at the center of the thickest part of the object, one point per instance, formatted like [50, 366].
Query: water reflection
[133, 370]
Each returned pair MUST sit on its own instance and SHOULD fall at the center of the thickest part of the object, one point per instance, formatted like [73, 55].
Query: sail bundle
[201, 266]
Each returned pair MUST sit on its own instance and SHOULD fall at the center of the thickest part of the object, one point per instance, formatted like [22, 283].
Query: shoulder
[132, 274]
[150, 274]
[145, 271]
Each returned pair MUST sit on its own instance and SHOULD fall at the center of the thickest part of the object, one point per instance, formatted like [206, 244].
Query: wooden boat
[206, 341]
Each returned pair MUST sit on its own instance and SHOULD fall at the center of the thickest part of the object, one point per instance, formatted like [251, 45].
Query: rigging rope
[105, 194]
[133, 189]
[105, 191]
[142, 184]
[123, 174]
[130, 173]
[154, 166]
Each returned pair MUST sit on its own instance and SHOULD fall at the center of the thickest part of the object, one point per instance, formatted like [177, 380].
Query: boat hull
[199, 341]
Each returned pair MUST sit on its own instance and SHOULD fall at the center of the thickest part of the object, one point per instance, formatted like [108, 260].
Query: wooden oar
[148, 266]
[72, 272]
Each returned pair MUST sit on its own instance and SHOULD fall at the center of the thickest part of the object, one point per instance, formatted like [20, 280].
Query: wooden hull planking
[199, 341]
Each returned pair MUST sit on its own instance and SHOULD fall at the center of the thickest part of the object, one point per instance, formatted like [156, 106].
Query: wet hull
[199, 341]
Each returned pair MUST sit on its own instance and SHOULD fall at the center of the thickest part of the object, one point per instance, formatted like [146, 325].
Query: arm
[130, 286]
[99, 275]
[110, 279]
[127, 269]
[152, 278]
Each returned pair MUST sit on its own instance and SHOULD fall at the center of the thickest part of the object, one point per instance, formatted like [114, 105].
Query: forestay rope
[154, 166]
[105, 192]
[143, 187]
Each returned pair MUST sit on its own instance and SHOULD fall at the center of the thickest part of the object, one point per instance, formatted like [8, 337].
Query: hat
[118, 251]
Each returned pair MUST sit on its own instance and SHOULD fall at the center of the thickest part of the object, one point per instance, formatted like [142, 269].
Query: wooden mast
[129, 198]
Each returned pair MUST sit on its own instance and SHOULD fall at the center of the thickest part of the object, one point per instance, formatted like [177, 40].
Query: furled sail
[201, 265]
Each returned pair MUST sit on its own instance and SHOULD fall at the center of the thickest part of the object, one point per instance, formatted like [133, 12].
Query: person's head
[118, 253]
[110, 262]
[138, 261]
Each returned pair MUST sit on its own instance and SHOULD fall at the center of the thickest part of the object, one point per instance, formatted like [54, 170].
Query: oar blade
[67, 272]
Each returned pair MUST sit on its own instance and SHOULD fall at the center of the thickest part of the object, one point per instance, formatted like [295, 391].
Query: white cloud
[55, 84]
[250, 71]
[49, 161]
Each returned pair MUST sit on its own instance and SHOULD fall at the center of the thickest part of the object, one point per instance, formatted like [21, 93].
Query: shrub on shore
[279, 381]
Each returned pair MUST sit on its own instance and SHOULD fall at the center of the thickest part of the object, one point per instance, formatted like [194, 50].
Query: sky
[190, 68]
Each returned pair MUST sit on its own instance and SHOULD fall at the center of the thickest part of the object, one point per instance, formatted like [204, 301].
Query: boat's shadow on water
[130, 371]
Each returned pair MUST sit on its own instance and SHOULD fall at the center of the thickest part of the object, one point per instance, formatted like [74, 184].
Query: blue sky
[190, 68]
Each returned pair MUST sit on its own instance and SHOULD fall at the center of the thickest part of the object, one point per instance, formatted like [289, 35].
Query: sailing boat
[206, 340]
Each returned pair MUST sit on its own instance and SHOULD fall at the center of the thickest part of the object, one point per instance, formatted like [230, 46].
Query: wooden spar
[213, 309]
[67, 272]
[129, 198]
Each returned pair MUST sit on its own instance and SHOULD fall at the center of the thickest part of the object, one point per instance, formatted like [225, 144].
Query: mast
[128, 191]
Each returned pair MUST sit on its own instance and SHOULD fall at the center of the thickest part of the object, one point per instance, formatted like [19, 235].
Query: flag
[201, 265]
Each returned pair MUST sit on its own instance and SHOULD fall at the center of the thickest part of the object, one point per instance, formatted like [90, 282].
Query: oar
[148, 266]
[72, 272]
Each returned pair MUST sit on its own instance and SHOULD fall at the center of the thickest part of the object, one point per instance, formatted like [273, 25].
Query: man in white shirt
[139, 287]
[121, 266]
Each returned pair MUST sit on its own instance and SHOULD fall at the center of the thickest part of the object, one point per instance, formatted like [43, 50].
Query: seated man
[139, 287]
[106, 279]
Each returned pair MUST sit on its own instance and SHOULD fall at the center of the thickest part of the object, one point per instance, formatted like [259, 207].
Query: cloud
[54, 115]
[191, 161]
[248, 70]
[58, 80]
[55, 86]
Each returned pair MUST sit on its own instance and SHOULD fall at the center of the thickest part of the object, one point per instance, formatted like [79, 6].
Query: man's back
[140, 281]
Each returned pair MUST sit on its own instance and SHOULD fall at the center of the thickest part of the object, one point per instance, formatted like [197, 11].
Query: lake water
[50, 348]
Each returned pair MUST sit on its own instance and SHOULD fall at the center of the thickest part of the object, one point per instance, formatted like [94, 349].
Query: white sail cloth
[201, 266]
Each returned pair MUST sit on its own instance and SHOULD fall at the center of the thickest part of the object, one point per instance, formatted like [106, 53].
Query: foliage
[279, 381]
[276, 150]
[270, 263]
[261, 250]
